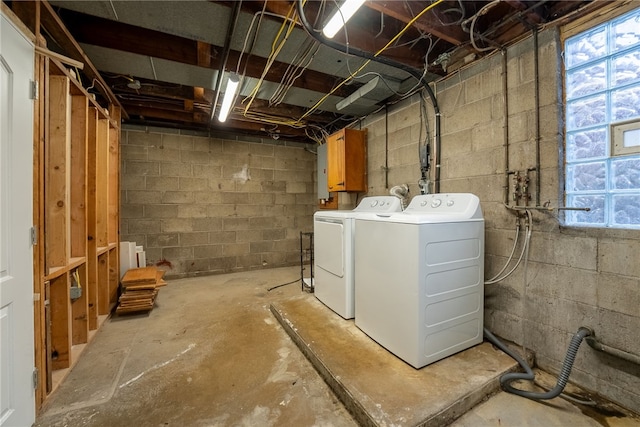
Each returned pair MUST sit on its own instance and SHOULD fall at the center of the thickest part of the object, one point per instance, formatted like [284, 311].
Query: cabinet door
[335, 161]
[346, 161]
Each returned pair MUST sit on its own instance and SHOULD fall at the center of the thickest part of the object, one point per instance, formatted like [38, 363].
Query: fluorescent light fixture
[229, 94]
[340, 18]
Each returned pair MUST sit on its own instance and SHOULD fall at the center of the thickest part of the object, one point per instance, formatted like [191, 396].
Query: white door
[17, 394]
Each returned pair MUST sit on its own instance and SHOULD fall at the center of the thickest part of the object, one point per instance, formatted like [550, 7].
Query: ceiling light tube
[229, 94]
[340, 18]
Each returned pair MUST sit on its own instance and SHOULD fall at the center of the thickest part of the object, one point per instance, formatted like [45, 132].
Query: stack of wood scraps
[140, 287]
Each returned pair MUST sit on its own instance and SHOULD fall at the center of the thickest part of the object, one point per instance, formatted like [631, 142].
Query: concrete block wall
[574, 276]
[205, 205]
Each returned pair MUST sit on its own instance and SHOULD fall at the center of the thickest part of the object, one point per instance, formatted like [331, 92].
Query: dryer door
[329, 235]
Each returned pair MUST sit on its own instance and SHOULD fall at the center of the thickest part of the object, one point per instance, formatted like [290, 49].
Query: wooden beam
[232, 124]
[58, 154]
[92, 217]
[532, 16]
[29, 14]
[56, 28]
[405, 12]
[129, 38]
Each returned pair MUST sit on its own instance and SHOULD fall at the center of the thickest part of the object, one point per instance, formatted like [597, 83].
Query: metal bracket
[35, 90]
[34, 235]
[35, 378]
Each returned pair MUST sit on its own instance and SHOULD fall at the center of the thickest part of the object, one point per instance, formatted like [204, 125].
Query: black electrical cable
[414, 72]
[284, 284]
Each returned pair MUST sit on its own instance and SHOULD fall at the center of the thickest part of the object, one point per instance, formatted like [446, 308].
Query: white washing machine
[419, 289]
[334, 252]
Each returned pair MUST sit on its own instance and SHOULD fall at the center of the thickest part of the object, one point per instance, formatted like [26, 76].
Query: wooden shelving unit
[76, 159]
[80, 220]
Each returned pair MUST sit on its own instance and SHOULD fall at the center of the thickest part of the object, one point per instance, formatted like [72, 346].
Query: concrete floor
[212, 353]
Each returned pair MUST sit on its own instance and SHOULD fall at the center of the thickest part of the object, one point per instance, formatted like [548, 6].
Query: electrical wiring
[424, 122]
[474, 18]
[246, 38]
[314, 136]
[275, 50]
[293, 71]
[461, 11]
[393, 40]
[283, 284]
[268, 119]
[408, 92]
[296, 68]
[93, 83]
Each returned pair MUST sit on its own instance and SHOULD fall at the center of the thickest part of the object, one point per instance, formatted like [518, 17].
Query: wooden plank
[142, 275]
[113, 185]
[40, 288]
[114, 275]
[57, 173]
[160, 278]
[57, 30]
[139, 287]
[60, 322]
[28, 14]
[48, 369]
[79, 121]
[80, 309]
[103, 284]
[102, 162]
[92, 244]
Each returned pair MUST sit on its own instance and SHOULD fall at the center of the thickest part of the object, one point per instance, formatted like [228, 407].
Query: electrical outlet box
[75, 292]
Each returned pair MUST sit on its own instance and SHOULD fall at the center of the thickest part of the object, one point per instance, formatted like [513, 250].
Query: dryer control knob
[374, 203]
[423, 203]
[450, 202]
[435, 203]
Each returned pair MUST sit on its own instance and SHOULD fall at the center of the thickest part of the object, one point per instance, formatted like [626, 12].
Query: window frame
[609, 194]
[617, 130]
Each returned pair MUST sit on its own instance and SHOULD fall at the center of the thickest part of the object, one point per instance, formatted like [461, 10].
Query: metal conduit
[414, 72]
[505, 128]
[536, 69]
[597, 345]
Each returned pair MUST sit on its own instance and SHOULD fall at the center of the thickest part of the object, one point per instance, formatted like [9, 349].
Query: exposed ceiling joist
[161, 59]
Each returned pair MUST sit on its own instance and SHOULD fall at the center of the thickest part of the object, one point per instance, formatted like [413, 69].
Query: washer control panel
[444, 203]
[379, 204]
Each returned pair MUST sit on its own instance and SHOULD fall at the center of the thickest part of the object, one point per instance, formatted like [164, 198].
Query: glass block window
[602, 88]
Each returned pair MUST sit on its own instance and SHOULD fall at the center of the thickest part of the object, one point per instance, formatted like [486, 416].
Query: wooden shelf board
[76, 262]
[102, 249]
[113, 245]
[55, 272]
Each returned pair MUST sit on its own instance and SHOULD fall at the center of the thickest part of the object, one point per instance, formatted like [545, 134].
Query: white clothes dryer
[334, 232]
[419, 288]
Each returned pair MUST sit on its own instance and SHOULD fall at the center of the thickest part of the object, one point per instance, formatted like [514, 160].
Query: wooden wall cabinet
[80, 220]
[346, 160]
